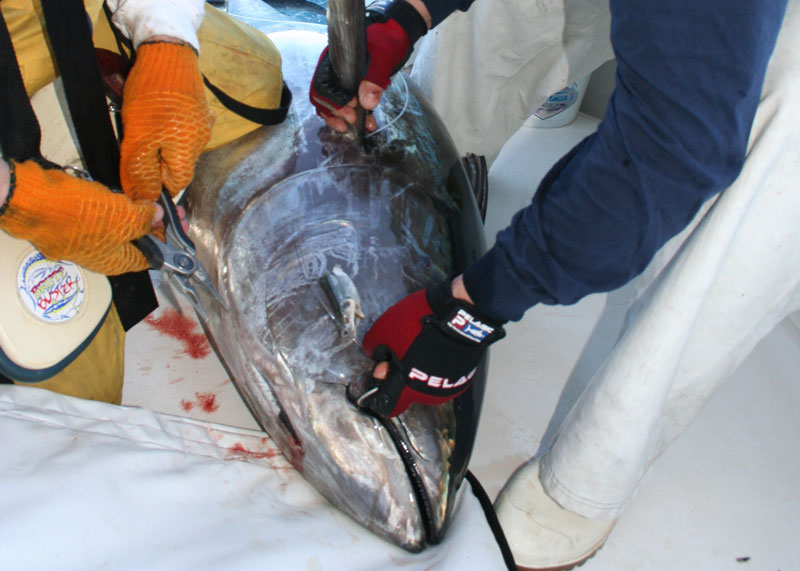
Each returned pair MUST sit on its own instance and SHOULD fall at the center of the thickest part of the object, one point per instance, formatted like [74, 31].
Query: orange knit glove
[166, 120]
[68, 218]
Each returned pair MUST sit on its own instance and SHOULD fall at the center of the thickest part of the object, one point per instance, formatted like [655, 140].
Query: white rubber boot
[543, 535]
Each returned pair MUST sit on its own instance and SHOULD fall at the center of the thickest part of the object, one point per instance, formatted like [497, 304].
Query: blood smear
[206, 401]
[238, 449]
[185, 330]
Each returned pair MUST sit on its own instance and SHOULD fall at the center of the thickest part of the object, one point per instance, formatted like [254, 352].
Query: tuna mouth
[414, 477]
[355, 393]
[434, 445]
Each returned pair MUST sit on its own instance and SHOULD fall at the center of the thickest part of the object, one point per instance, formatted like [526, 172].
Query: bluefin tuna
[298, 226]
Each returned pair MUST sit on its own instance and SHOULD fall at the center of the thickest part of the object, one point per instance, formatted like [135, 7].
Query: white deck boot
[543, 535]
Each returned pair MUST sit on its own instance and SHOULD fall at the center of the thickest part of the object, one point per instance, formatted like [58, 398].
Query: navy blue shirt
[689, 77]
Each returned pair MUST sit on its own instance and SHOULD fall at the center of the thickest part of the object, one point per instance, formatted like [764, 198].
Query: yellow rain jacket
[237, 59]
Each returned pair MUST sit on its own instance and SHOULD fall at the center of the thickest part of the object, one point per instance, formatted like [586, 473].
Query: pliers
[177, 257]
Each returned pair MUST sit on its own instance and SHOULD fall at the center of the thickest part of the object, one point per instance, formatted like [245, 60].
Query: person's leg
[737, 275]
[488, 69]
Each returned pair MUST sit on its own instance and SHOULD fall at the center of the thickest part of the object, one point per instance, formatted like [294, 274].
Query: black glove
[433, 343]
[392, 30]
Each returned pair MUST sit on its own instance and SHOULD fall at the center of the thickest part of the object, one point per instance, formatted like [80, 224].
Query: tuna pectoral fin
[478, 176]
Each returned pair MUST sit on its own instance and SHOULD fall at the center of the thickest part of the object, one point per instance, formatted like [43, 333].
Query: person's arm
[165, 82]
[420, 7]
[166, 119]
[675, 133]
[68, 218]
[459, 290]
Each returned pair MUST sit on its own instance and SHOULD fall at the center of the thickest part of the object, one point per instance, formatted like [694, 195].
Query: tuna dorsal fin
[347, 46]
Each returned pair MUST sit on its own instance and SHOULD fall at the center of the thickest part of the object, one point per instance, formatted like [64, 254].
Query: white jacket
[142, 19]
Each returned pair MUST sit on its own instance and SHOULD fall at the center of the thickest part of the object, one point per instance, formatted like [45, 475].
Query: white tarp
[89, 485]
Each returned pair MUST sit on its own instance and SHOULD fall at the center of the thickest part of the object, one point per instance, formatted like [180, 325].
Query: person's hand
[166, 120]
[428, 346]
[68, 218]
[391, 35]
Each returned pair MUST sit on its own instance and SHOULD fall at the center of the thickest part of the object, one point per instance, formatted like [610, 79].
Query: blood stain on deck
[206, 401]
[186, 330]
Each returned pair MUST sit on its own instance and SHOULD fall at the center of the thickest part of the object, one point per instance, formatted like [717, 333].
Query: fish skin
[270, 214]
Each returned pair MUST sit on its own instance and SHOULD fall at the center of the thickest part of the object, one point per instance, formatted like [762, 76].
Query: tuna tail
[347, 46]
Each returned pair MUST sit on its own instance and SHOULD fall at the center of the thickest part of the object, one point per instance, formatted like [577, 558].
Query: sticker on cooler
[561, 107]
[558, 102]
[52, 290]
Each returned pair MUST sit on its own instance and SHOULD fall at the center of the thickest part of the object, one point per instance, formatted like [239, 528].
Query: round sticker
[52, 290]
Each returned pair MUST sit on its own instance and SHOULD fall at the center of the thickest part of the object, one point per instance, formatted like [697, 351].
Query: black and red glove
[433, 343]
[392, 30]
